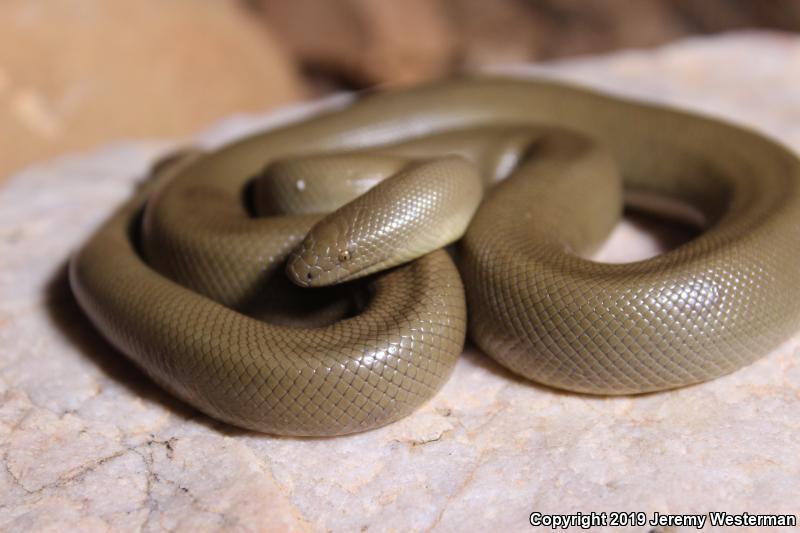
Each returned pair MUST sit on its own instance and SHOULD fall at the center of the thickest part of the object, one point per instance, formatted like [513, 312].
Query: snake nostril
[309, 276]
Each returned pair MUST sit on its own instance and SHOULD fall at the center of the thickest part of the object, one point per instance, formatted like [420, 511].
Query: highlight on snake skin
[321, 278]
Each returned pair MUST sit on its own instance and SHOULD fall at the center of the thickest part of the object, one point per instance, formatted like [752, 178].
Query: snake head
[425, 206]
[326, 256]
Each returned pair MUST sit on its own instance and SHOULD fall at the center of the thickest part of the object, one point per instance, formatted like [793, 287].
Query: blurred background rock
[77, 73]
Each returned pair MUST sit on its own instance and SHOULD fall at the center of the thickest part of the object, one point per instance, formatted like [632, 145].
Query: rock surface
[88, 443]
[76, 73]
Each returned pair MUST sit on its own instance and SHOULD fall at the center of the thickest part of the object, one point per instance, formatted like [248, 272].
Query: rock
[365, 41]
[76, 73]
[87, 442]
[505, 31]
[573, 27]
[713, 15]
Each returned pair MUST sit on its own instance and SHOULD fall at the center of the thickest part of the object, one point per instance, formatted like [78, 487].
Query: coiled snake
[188, 280]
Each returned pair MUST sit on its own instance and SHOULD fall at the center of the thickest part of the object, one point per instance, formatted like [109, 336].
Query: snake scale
[191, 278]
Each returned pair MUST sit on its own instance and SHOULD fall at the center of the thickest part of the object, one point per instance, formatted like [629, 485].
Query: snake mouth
[301, 272]
[308, 272]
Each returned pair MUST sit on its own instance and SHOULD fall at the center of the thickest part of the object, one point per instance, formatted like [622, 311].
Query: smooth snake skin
[188, 282]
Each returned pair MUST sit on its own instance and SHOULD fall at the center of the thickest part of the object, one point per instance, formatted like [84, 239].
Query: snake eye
[344, 255]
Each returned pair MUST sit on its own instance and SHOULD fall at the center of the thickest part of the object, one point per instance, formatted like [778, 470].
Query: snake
[321, 278]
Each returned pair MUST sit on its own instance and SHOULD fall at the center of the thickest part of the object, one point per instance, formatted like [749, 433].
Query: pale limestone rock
[88, 443]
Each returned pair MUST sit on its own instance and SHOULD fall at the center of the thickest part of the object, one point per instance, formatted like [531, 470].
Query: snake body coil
[188, 282]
